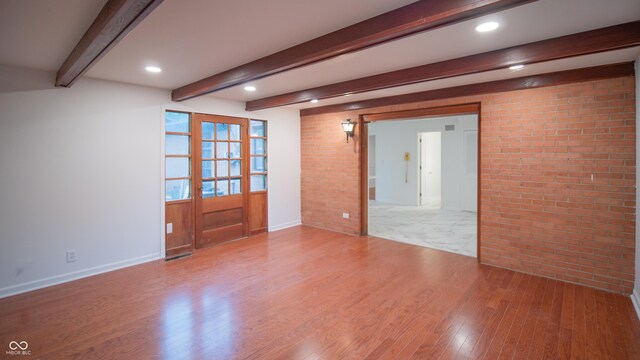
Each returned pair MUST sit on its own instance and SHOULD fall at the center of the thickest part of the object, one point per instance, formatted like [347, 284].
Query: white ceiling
[612, 57]
[40, 34]
[192, 39]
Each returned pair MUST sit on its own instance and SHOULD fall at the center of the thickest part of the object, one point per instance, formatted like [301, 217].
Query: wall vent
[449, 127]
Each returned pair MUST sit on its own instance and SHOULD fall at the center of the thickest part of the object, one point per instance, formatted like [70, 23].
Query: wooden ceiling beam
[116, 19]
[410, 19]
[521, 83]
[588, 42]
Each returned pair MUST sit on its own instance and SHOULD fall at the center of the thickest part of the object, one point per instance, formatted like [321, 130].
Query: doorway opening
[422, 185]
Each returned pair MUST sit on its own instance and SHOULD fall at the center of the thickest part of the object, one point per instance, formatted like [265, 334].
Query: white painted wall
[82, 169]
[635, 297]
[394, 138]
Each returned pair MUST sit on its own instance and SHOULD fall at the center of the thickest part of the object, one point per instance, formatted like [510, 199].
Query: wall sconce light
[348, 128]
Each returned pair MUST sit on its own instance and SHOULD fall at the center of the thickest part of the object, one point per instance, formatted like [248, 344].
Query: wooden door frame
[197, 171]
[439, 111]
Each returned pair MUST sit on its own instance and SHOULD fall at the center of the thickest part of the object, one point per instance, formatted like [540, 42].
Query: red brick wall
[540, 211]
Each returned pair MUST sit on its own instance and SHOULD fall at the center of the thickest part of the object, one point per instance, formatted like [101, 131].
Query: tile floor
[448, 230]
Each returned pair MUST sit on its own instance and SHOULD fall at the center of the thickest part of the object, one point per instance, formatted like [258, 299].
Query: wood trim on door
[364, 175]
[461, 109]
[365, 119]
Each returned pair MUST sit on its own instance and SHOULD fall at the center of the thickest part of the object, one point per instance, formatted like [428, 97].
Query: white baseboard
[63, 278]
[635, 299]
[285, 225]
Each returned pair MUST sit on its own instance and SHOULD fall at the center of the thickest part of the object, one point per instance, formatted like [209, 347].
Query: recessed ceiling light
[249, 88]
[314, 101]
[153, 69]
[516, 67]
[488, 26]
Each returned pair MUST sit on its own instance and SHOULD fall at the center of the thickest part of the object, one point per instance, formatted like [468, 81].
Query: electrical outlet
[71, 256]
[169, 228]
[345, 215]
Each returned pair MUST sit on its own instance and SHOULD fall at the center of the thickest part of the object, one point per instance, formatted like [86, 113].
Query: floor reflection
[177, 328]
[218, 326]
[211, 336]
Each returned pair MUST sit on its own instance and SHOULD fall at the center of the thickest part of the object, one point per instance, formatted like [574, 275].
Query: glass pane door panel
[177, 189]
[258, 182]
[207, 150]
[235, 187]
[235, 152]
[258, 164]
[221, 176]
[207, 189]
[223, 188]
[235, 168]
[222, 131]
[177, 144]
[256, 128]
[177, 167]
[257, 147]
[208, 167]
[222, 150]
[176, 122]
[234, 132]
[222, 168]
[208, 131]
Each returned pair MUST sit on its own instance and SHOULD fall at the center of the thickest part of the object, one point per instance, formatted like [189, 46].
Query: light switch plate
[169, 228]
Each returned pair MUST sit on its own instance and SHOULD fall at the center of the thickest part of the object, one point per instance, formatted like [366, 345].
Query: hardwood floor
[304, 293]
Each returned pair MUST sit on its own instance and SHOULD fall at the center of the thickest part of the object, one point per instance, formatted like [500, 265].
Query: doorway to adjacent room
[423, 181]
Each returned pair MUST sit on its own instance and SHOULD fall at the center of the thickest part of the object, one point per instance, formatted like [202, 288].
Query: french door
[221, 179]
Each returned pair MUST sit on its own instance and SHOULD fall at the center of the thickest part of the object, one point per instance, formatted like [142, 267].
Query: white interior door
[431, 168]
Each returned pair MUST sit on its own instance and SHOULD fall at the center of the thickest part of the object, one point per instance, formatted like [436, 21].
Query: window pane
[207, 169]
[258, 182]
[222, 168]
[234, 131]
[207, 189]
[176, 122]
[223, 131]
[256, 128]
[177, 189]
[207, 150]
[235, 186]
[208, 130]
[235, 151]
[176, 167]
[223, 188]
[177, 145]
[235, 167]
[258, 164]
[222, 149]
[257, 147]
